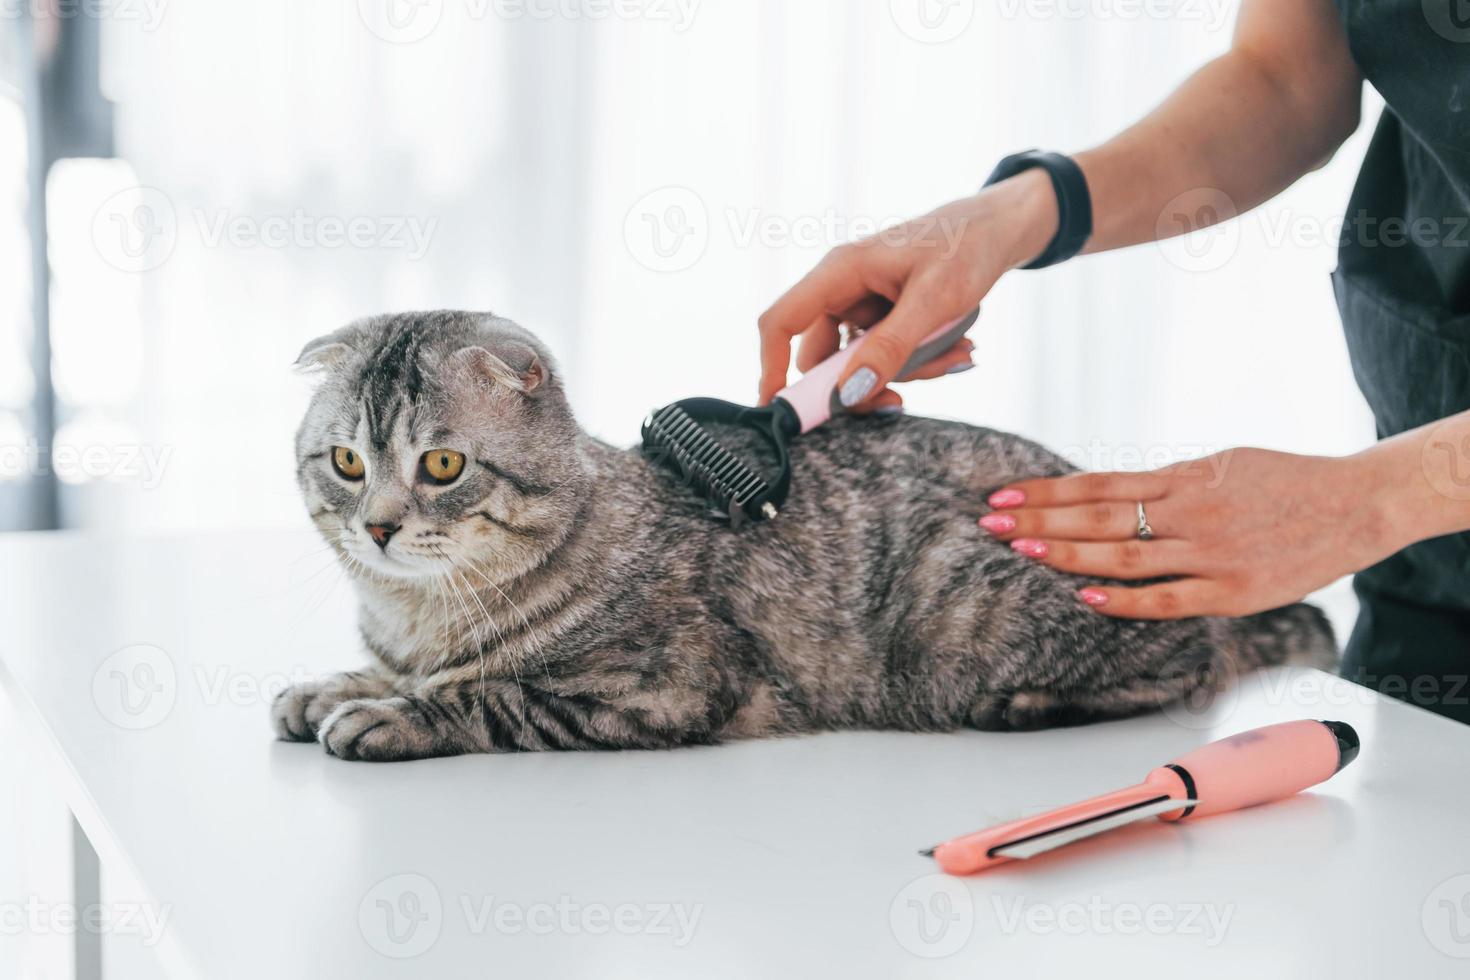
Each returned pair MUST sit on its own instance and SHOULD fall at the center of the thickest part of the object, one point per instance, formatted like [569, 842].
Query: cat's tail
[1298, 634]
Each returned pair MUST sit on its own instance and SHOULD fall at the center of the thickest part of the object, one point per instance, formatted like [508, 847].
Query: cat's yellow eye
[443, 465]
[347, 463]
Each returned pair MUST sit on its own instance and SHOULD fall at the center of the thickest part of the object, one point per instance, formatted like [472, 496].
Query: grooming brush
[1257, 766]
[736, 490]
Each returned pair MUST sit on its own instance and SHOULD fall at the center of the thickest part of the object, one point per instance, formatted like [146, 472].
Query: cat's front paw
[387, 730]
[299, 710]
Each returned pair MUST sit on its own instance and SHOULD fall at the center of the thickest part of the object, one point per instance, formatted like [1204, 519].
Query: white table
[784, 858]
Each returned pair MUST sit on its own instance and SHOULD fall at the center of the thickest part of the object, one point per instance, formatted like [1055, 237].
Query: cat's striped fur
[566, 594]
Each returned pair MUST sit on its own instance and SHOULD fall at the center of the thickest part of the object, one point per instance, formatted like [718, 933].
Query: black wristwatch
[1074, 203]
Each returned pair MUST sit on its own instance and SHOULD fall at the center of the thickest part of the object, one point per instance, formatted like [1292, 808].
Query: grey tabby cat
[525, 586]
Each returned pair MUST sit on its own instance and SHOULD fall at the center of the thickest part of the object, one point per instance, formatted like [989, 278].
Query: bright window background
[635, 181]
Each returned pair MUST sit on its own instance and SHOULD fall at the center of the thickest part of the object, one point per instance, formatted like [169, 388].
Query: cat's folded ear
[323, 354]
[517, 367]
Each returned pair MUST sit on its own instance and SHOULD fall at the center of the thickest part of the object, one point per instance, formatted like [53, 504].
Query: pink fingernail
[1030, 547]
[1007, 498]
[1093, 597]
[998, 523]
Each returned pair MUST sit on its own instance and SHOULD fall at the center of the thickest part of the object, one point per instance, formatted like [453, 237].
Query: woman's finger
[1168, 600]
[818, 342]
[826, 337]
[1081, 488]
[833, 286]
[823, 338]
[920, 308]
[1113, 559]
[1109, 520]
[958, 358]
[867, 311]
[885, 402]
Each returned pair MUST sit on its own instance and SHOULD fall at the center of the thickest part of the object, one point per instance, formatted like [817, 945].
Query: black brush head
[735, 490]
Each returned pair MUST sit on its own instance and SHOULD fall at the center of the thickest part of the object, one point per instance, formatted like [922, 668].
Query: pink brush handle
[1254, 767]
[814, 396]
[1259, 766]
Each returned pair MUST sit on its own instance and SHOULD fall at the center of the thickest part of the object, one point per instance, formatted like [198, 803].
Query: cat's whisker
[479, 652]
[310, 587]
[479, 648]
[444, 604]
[530, 643]
[333, 562]
[509, 655]
[463, 607]
[312, 554]
[442, 640]
[471, 565]
[451, 585]
[324, 593]
[443, 584]
[355, 565]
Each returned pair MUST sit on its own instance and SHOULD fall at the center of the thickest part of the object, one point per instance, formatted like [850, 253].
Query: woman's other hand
[1244, 530]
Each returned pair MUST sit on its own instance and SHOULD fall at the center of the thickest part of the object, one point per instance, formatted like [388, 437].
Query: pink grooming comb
[1257, 766]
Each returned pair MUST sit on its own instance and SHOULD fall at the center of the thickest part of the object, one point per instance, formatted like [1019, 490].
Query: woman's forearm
[1419, 481]
[1246, 125]
[1237, 132]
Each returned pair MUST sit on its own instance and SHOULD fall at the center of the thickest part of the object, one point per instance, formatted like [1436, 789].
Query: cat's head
[438, 444]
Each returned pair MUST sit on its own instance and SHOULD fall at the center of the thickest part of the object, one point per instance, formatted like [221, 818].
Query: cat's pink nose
[382, 532]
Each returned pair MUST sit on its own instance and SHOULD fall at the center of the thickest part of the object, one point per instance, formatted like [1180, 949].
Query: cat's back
[892, 459]
[850, 474]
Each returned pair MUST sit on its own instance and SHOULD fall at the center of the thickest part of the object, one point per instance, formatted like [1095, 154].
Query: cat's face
[438, 444]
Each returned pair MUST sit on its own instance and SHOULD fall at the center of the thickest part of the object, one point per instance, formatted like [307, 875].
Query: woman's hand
[903, 283]
[1245, 530]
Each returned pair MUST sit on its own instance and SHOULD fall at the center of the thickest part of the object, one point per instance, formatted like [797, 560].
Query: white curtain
[636, 181]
